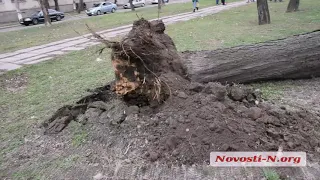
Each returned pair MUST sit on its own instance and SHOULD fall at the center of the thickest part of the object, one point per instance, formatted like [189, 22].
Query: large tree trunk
[45, 12]
[131, 5]
[293, 5]
[295, 57]
[56, 5]
[263, 12]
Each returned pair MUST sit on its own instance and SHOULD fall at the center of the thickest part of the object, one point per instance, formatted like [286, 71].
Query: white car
[101, 8]
[136, 3]
[156, 1]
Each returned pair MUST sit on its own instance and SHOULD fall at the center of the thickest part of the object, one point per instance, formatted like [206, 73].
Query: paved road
[36, 54]
[73, 17]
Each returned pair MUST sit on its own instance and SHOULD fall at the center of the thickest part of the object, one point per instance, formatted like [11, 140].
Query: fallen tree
[295, 57]
[148, 68]
[198, 118]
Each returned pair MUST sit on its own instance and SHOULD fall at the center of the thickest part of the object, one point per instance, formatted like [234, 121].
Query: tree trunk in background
[159, 5]
[45, 12]
[56, 5]
[131, 5]
[115, 2]
[46, 4]
[296, 57]
[80, 6]
[17, 7]
[293, 5]
[263, 12]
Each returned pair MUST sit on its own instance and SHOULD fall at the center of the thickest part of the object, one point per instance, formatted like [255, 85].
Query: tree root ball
[140, 59]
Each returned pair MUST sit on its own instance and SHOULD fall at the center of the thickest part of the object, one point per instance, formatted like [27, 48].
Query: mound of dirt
[200, 118]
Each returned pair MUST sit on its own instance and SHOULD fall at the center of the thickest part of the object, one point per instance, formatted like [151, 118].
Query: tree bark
[296, 57]
[45, 12]
[293, 5]
[159, 5]
[46, 4]
[80, 6]
[17, 7]
[131, 5]
[56, 5]
[263, 12]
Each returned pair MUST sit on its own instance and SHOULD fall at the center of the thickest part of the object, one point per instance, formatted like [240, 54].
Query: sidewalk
[36, 54]
[71, 16]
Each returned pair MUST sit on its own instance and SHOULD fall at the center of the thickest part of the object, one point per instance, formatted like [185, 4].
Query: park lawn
[53, 84]
[38, 35]
[240, 26]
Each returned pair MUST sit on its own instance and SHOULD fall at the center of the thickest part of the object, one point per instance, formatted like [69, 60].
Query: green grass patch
[239, 26]
[79, 135]
[273, 90]
[271, 174]
[38, 35]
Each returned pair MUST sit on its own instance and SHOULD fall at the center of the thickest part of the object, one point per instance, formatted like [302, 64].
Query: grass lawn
[15, 40]
[49, 85]
[240, 26]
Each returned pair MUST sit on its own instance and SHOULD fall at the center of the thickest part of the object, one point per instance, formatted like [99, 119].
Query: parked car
[136, 3]
[38, 17]
[156, 1]
[101, 8]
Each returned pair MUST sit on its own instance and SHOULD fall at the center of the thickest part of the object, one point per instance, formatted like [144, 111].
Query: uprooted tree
[141, 58]
[147, 54]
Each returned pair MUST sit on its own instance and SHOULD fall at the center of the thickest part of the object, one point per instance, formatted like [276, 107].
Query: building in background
[8, 11]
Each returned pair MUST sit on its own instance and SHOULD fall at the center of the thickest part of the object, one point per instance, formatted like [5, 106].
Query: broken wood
[295, 57]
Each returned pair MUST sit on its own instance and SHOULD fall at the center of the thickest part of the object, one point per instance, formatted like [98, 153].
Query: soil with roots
[197, 119]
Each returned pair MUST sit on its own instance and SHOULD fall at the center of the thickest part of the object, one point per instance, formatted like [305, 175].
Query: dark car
[38, 17]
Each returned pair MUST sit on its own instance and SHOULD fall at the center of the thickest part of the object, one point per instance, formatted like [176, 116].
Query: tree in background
[46, 4]
[80, 6]
[17, 7]
[263, 12]
[131, 5]
[159, 5]
[293, 5]
[45, 12]
[56, 5]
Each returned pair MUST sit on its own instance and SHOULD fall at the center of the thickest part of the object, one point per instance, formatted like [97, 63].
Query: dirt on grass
[201, 118]
[14, 84]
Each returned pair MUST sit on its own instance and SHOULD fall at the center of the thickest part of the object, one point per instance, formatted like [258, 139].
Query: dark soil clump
[200, 118]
